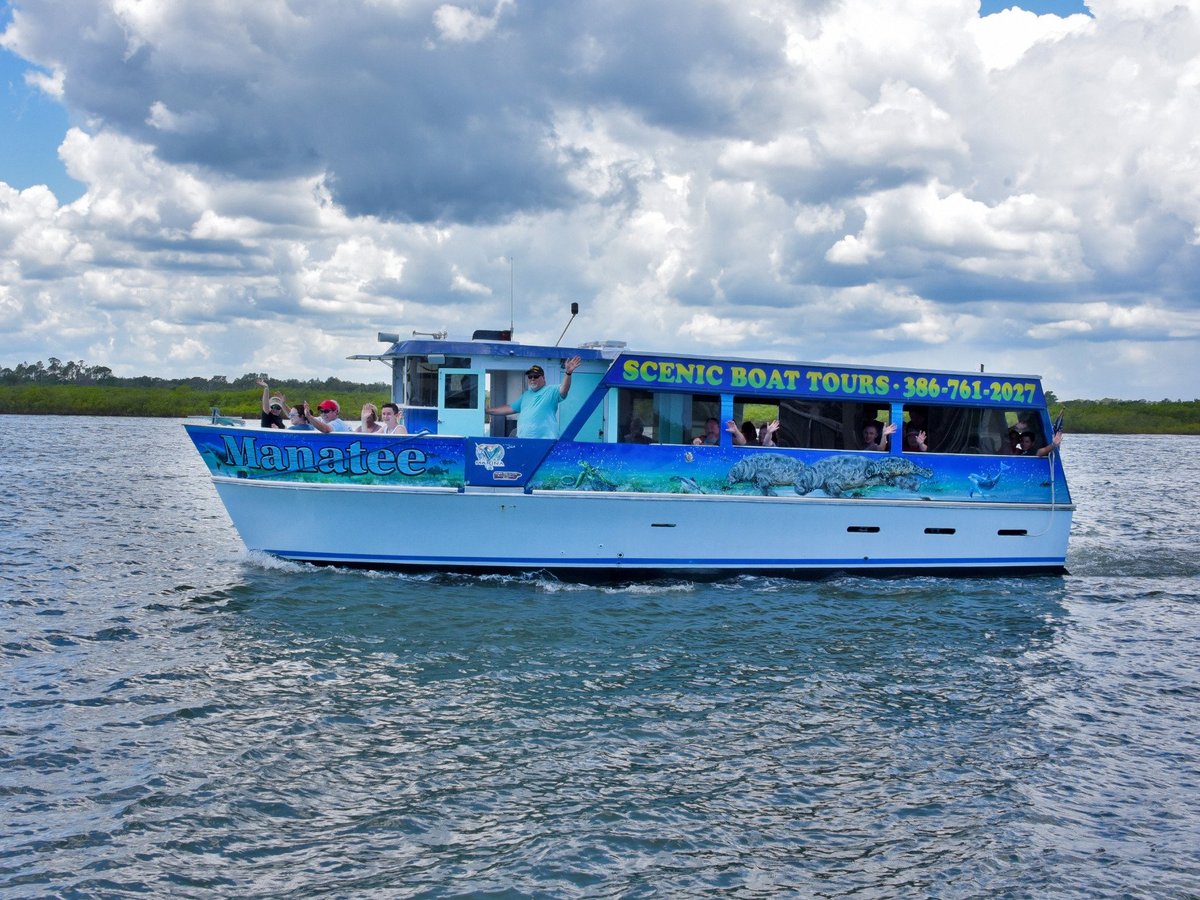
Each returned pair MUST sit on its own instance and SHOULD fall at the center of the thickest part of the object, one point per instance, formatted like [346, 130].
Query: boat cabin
[443, 387]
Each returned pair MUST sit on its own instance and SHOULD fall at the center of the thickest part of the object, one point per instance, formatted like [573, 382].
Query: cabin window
[462, 391]
[659, 417]
[959, 429]
[814, 424]
[421, 378]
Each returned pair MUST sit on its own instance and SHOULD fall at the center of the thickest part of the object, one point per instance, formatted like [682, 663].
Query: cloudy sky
[202, 187]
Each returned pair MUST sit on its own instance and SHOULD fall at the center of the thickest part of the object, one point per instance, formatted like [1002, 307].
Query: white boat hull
[488, 529]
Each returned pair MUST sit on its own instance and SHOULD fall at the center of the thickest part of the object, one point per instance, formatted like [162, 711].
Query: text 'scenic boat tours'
[625, 492]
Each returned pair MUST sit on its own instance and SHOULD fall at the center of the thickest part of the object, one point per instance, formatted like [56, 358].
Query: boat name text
[331, 459]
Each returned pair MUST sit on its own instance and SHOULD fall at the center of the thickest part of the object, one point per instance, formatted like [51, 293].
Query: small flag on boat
[1058, 423]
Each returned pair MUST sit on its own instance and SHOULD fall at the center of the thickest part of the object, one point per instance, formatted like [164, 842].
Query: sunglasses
[276, 407]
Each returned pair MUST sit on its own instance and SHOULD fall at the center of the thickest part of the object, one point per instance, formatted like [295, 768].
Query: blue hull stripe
[668, 562]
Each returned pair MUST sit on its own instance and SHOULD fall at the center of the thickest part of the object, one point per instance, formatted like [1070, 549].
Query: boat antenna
[511, 304]
[574, 313]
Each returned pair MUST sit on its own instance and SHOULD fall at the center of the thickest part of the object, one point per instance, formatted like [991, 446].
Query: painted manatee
[764, 470]
[838, 474]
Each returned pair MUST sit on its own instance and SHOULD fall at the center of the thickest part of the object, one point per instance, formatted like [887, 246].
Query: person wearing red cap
[327, 418]
[538, 407]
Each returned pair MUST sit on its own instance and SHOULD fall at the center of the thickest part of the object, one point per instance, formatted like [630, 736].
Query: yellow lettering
[737, 377]
[715, 375]
[650, 370]
[630, 370]
[813, 378]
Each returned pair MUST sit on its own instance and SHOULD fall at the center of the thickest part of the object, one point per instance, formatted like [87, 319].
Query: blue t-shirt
[538, 413]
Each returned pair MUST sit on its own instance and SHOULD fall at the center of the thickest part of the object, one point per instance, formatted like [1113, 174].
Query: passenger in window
[1028, 448]
[712, 433]
[914, 440]
[875, 435]
[739, 439]
[766, 434]
[749, 432]
[1011, 444]
[637, 432]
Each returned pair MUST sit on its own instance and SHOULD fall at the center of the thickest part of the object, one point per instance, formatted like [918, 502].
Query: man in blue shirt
[538, 406]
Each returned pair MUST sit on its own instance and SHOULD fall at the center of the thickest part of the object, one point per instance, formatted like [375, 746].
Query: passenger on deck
[875, 435]
[637, 433]
[537, 408]
[914, 440]
[392, 424]
[370, 420]
[273, 406]
[296, 416]
[1028, 449]
[327, 419]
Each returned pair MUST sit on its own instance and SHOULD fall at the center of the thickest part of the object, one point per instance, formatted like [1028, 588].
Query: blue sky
[1041, 7]
[924, 183]
[33, 125]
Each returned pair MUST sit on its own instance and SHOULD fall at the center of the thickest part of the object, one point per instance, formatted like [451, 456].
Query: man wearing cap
[327, 418]
[538, 407]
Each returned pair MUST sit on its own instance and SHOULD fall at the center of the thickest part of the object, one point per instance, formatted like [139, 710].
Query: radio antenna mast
[511, 302]
[574, 313]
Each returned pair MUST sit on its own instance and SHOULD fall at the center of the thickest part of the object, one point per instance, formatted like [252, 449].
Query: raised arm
[888, 430]
[316, 421]
[266, 397]
[569, 367]
[1052, 446]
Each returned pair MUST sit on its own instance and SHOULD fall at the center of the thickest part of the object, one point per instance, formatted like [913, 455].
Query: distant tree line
[75, 388]
[57, 372]
[1128, 416]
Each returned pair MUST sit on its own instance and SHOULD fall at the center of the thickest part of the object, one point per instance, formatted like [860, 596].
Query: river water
[180, 717]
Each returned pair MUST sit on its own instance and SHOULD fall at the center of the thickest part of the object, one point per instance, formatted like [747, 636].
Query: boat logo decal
[490, 456]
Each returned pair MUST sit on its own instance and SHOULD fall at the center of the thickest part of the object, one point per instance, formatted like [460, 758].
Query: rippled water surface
[180, 717]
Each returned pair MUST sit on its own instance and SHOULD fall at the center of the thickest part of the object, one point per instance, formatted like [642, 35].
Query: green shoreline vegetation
[74, 389]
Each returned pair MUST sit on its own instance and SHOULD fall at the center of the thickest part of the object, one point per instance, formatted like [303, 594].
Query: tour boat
[612, 497]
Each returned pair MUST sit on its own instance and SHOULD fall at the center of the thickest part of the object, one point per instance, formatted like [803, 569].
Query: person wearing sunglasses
[327, 418]
[537, 408]
[273, 406]
[296, 417]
